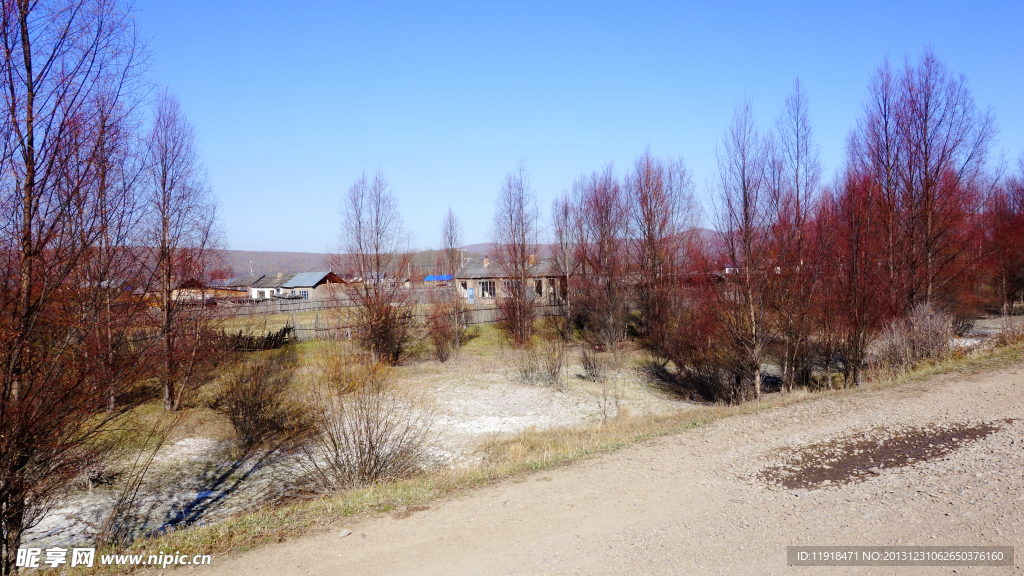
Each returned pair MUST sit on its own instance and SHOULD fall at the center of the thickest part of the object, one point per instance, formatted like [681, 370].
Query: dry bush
[382, 328]
[526, 366]
[924, 334]
[255, 398]
[445, 327]
[593, 367]
[553, 358]
[1012, 332]
[542, 364]
[365, 429]
[963, 326]
[609, 400]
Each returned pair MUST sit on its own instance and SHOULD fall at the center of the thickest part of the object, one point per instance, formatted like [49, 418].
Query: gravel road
[700, 503]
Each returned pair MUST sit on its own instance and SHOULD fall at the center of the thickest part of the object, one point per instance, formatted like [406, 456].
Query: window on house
[486, 288]
[304, 294]
[509, 287]
[538, 288]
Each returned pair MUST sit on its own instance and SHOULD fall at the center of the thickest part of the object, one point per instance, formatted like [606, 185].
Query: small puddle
[845, 460]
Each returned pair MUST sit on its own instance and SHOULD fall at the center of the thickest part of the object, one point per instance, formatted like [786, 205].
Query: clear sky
[292, 101]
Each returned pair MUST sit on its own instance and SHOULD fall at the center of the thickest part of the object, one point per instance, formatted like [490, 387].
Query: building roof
[438, 278]
[242, 281]
[273, 281]
[308, 279]
[474, 268]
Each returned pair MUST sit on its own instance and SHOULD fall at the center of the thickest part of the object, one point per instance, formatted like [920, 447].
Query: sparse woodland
[803, 282]
[806, 281]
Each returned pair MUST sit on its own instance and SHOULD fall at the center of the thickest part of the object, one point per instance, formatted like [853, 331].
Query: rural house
[303, 285]
[481, 280]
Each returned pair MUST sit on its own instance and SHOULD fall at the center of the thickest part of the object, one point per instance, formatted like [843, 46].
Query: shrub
[553, 351]
[526, 366]
[963, 326]
[540, 365]
[242, 342]
[924, 334]
[445, 326]
[382, 328]
[1012, 332]
[365, 429]
[254, 396]
[593, 368]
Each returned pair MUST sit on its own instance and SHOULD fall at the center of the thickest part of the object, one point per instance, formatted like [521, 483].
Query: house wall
[322, 291]
[263, 293]
[549, 288]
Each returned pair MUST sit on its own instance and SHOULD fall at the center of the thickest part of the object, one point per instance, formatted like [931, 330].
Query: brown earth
[711, 501]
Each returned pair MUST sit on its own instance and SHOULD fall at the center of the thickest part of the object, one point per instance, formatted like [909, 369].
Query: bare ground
[706, 501]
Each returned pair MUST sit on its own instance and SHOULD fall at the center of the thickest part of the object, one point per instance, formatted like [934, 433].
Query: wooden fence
[340, 324]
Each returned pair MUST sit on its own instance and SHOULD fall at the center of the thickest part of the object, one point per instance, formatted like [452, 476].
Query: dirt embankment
[720, 499]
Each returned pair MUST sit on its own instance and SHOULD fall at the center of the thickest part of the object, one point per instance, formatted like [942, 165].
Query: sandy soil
[476, 398]
[698, 503]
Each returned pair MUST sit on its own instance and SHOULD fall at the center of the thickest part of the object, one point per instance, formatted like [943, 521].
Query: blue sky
[292, 103]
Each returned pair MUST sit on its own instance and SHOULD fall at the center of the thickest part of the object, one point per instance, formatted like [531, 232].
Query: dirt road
[698, 503]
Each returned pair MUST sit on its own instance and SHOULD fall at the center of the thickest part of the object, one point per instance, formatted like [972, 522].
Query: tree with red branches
[600, 284]
[793, 186]
[663, 214]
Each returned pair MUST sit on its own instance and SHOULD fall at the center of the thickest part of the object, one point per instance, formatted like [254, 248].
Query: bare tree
[878, 149]
[744, 222]
[565, 224]
[662, 220]
[1006, 240]
[65, 67]
[946, 141]
[445, 322]
[600, 285]
[373, 249]
[515, 236]
[182, 233]
[856, 289]
[451, 243]
[793, 188]
[925, 143]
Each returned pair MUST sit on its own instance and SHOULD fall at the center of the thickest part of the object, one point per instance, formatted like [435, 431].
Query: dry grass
[269, 323]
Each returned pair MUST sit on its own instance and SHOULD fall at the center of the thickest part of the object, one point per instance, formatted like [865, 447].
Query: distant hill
[487, 249]
[704, 235]
[237, 262]
[479, 249]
